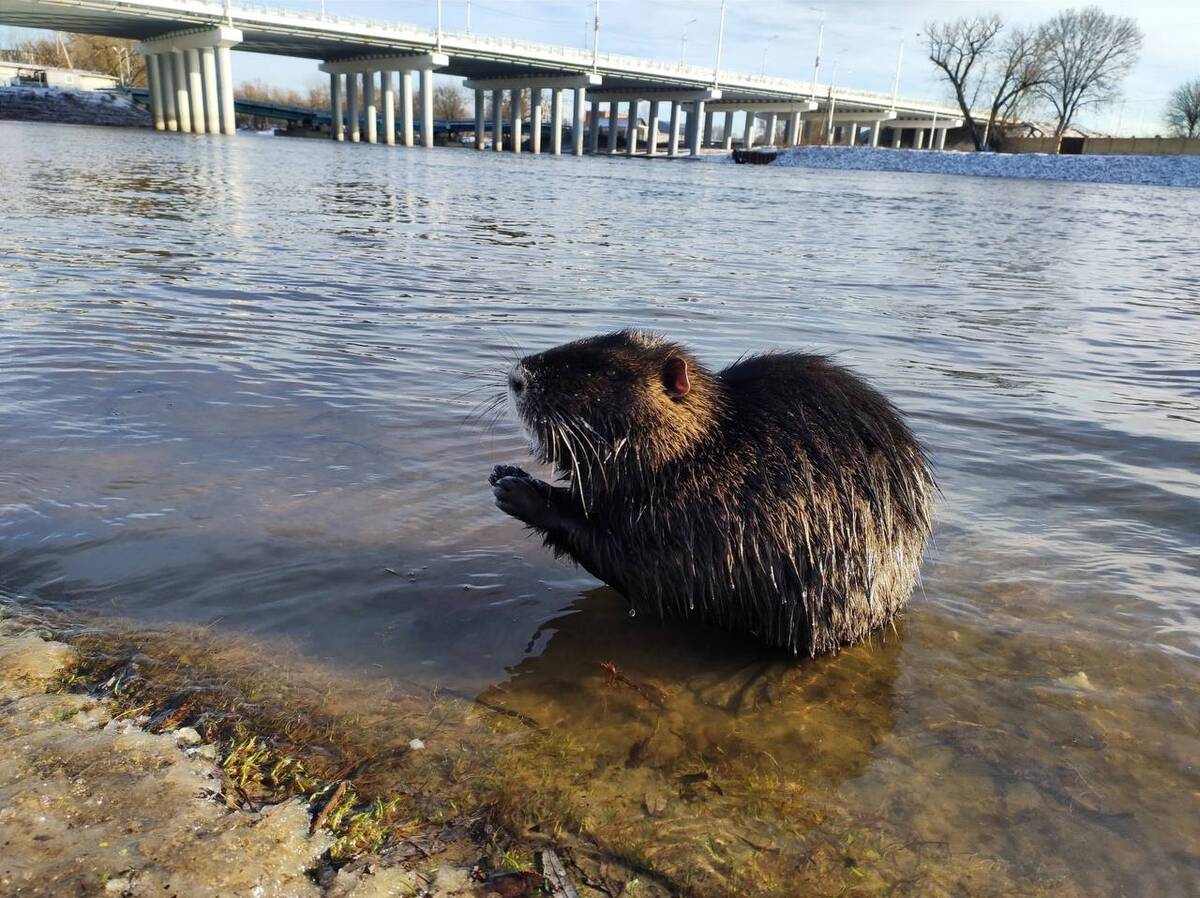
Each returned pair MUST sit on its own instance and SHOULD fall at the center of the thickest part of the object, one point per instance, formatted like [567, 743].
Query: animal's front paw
[522, 497]
[501, 471]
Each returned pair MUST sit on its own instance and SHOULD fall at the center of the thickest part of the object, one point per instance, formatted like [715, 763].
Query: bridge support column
[154, 78]
[772, 129]
[427, 107]
[875, 129]
[166, 68]
[708, 128]
[896, 135]
[652, 129]
[631, 129]
[727, 133]
[941, 138]
[208, 71]
[480, 114]
[577, 121]
[352, 105]
[190, 79]
[673, 137]
[614, 117]
[594, 129]
[793, 130]
[497, 120]
[225, 80]
[370, 112]
[406, 107]
[852, 135]
[919, 139]
[195, 90]
[337, 130]
[183, 107]
[556, 105]
[514, 115]
[695, 114]
[748, 135]
[535, 120]
[389, 107]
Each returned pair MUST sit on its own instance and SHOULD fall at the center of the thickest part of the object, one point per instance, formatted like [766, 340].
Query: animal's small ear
[675, 377]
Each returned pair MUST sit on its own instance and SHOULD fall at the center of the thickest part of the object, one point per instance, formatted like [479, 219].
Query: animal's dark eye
[517, 383]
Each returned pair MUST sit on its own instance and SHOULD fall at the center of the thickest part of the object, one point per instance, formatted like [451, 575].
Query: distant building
[26, 75]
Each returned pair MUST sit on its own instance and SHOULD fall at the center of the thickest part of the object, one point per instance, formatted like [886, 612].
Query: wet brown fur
[782, 497]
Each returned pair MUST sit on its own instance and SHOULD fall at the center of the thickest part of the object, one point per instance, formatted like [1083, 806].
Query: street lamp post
[596, 39]
[683, 41]
[896, 82]
[720, 46]
[766, 48]
[820, 40]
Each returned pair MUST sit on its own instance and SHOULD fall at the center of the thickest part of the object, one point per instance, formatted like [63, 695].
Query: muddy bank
[95, 804]
[72, 107]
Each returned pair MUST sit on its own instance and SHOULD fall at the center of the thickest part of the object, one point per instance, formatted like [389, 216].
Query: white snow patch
[1167, 171]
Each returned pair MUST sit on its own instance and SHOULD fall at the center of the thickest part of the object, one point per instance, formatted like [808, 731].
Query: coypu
[782, 497]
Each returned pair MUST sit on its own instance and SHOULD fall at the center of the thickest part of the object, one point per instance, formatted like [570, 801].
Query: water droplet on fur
[691, 606]
[633, 612]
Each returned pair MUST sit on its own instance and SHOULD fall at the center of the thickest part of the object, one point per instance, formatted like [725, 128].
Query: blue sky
[862, 38]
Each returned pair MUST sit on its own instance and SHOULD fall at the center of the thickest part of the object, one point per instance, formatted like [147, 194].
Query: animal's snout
[518, 379]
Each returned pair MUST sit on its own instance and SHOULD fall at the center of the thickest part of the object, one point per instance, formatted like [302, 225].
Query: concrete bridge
[187, 46]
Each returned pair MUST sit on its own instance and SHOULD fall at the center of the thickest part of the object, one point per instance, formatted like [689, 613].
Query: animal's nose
[516, 381]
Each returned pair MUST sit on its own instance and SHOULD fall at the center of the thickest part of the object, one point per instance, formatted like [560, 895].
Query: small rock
[449, 880]
[187, 736]
[208, 752]
[654, 803]
[416, 744]
[31, 663]
[119, 885]
[1078, 681]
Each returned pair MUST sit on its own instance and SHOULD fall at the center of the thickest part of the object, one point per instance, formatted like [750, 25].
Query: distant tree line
[1076, 60]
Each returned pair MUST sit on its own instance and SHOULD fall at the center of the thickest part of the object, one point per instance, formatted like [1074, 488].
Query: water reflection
[665, 695]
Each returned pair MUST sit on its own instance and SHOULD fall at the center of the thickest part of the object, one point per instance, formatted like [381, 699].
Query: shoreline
[101, 794]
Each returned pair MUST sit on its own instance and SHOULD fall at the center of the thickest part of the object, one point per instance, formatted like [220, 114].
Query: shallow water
[235, 380]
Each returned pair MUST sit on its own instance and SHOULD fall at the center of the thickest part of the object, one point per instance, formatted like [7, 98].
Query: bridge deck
[287, 33]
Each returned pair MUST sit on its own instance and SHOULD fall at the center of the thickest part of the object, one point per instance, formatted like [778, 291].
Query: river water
[236, 385]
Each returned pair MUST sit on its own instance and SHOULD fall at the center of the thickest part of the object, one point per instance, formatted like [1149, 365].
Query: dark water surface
[234, 382]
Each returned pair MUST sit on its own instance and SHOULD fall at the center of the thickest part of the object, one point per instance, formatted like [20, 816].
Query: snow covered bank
[75, 107]
[1167, 171]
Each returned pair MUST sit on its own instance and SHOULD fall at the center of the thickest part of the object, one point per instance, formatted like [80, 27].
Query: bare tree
[449, 104]
[1088, 54]
[318, 96]
[959, 49]
[1020, 64]
[1183, 109]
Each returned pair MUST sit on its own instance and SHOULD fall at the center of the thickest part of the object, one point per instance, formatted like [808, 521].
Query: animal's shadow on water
[665, 695]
